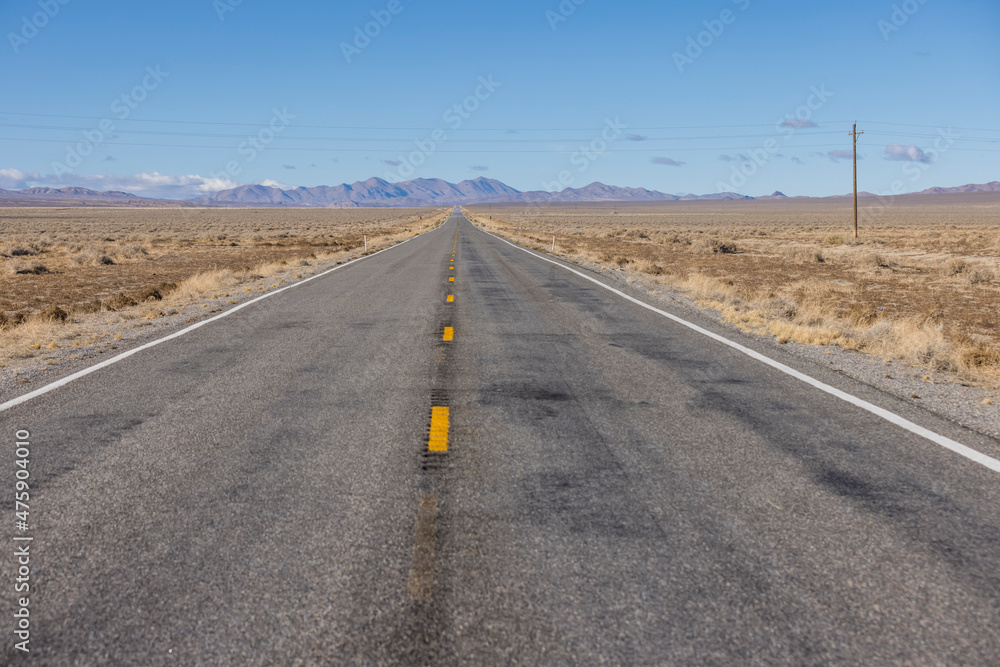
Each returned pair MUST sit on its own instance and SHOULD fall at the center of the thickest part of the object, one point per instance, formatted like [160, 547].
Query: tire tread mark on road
[564, 496]
[424, 626]
[420, 585]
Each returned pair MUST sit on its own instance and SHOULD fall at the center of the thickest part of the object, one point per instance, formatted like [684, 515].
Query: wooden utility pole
[855, 134]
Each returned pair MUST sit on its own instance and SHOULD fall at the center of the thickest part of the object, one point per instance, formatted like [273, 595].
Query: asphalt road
[616, 489]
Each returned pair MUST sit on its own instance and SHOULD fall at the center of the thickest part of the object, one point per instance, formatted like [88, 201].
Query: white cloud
[215, 184]
[15, 179]
[666, 161]
[839, 155]
[271, 183]
[905, 153]
[797, 123]
[153, 184]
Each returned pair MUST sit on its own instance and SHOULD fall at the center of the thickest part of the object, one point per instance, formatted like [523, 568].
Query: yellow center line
[452, 279]
[438, 440]
[451, 298]
[449, 334]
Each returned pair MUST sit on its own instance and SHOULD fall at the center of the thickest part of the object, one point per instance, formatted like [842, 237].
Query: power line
[407, 129]
[495, 129]
[909, 135]
[936, 127]
[405, 149]
[301, 138]
[61, 128]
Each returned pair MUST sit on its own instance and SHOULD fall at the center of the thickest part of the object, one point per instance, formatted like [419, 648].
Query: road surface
[607, 487]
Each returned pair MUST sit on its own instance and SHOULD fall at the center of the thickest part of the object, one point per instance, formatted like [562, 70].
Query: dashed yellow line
[438, 440]
[420, 584]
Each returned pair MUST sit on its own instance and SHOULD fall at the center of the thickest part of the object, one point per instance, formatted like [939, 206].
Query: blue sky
[175, 99]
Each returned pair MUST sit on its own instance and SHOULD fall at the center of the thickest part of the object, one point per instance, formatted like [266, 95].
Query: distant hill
[993, 186]
[777, 194]
[373, 192]
[972, 188]
[376, 192]
[78, 194]
[432, 192]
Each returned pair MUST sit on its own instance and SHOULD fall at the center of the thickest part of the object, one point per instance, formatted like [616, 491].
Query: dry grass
[922, 284]
[65, 273]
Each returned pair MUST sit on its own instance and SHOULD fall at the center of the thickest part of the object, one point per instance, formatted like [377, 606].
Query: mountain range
[993, 186]
[376, 192]
[73, 194]
[431, 192]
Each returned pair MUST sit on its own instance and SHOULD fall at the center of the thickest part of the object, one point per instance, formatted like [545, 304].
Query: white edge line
[957, 447]
[177, 334]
